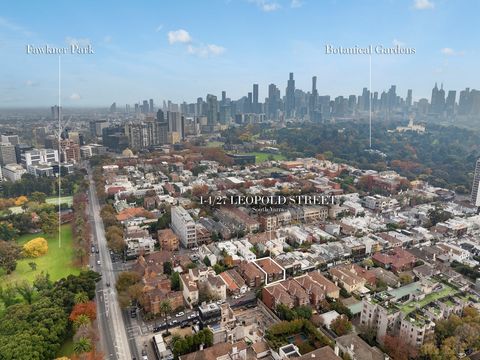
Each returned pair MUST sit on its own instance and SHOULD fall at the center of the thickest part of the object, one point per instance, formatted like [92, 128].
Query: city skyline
[180, 55]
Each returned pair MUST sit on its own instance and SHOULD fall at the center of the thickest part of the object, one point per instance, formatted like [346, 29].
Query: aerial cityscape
[284, 180]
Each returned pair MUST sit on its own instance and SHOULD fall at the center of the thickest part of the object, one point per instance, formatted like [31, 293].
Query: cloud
[398, 43]
[80, 42]
[194, 47]
[7, 24]
[206, 50]
[450, 52]
[180, 35]
[266, 5]
[30, 83]
[159, 28]
[75, 97]
[296, 4]
[423, 4]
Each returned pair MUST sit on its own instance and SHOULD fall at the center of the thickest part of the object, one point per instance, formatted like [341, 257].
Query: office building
[408, 100]
[255, 104]
[20, 149]
[176, 123]
[475, 198]
[450, 103]
[12, 139]
[7, 154]
[56, 112]
[13, 172]
[290, 97]
[96, 127]
[114, 138]
[273, 101]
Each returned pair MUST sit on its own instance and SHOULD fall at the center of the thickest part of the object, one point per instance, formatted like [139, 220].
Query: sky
[181, 50]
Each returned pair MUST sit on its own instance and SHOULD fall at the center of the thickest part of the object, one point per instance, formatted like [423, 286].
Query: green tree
[8, 295]
[9, 254]
[405, 279]
[176, 284]
[341, 325]
[206, 261]
[26, 291]
[82, 345]
[80, 320]
[38, 196]
[7, 232]
[81, 298]
[304, 312]
[167, 267]
[49, 222]
[33, 265]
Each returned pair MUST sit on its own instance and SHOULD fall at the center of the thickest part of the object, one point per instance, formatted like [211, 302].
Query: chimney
[352, 347]
[337, 350]
[201, 346]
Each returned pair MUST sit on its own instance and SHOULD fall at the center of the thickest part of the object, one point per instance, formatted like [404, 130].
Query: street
[113, 336]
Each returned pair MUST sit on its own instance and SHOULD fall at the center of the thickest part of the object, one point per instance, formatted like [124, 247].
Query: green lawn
[63, 200]
[411, 306]
[261, 157]
[213, 144]
[66, 349]
[58, 262]
[51, 200]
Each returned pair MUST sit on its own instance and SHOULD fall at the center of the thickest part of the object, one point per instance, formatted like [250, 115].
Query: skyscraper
[450, 102]
[55, 112]
[212, 110]
[7, 154]
[145, 107]
[408, 100]
[255, 105]
[273, 101]
[476, 185]
[249, 104]
[162, 127]
[290, 97]
[151, 106]
[437, 102]
[176, 123]
[313, 98]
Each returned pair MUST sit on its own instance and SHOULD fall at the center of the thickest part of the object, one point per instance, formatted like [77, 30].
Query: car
[172, 323]
[97, 251]
[181, 313]
[184, 324]
[108, 284]
[98, 262]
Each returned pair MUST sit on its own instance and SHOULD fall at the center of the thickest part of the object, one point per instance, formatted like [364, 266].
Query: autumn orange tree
[398, 348]
[89, 309]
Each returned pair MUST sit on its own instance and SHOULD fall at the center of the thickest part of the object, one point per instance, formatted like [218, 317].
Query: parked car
[181, 313]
